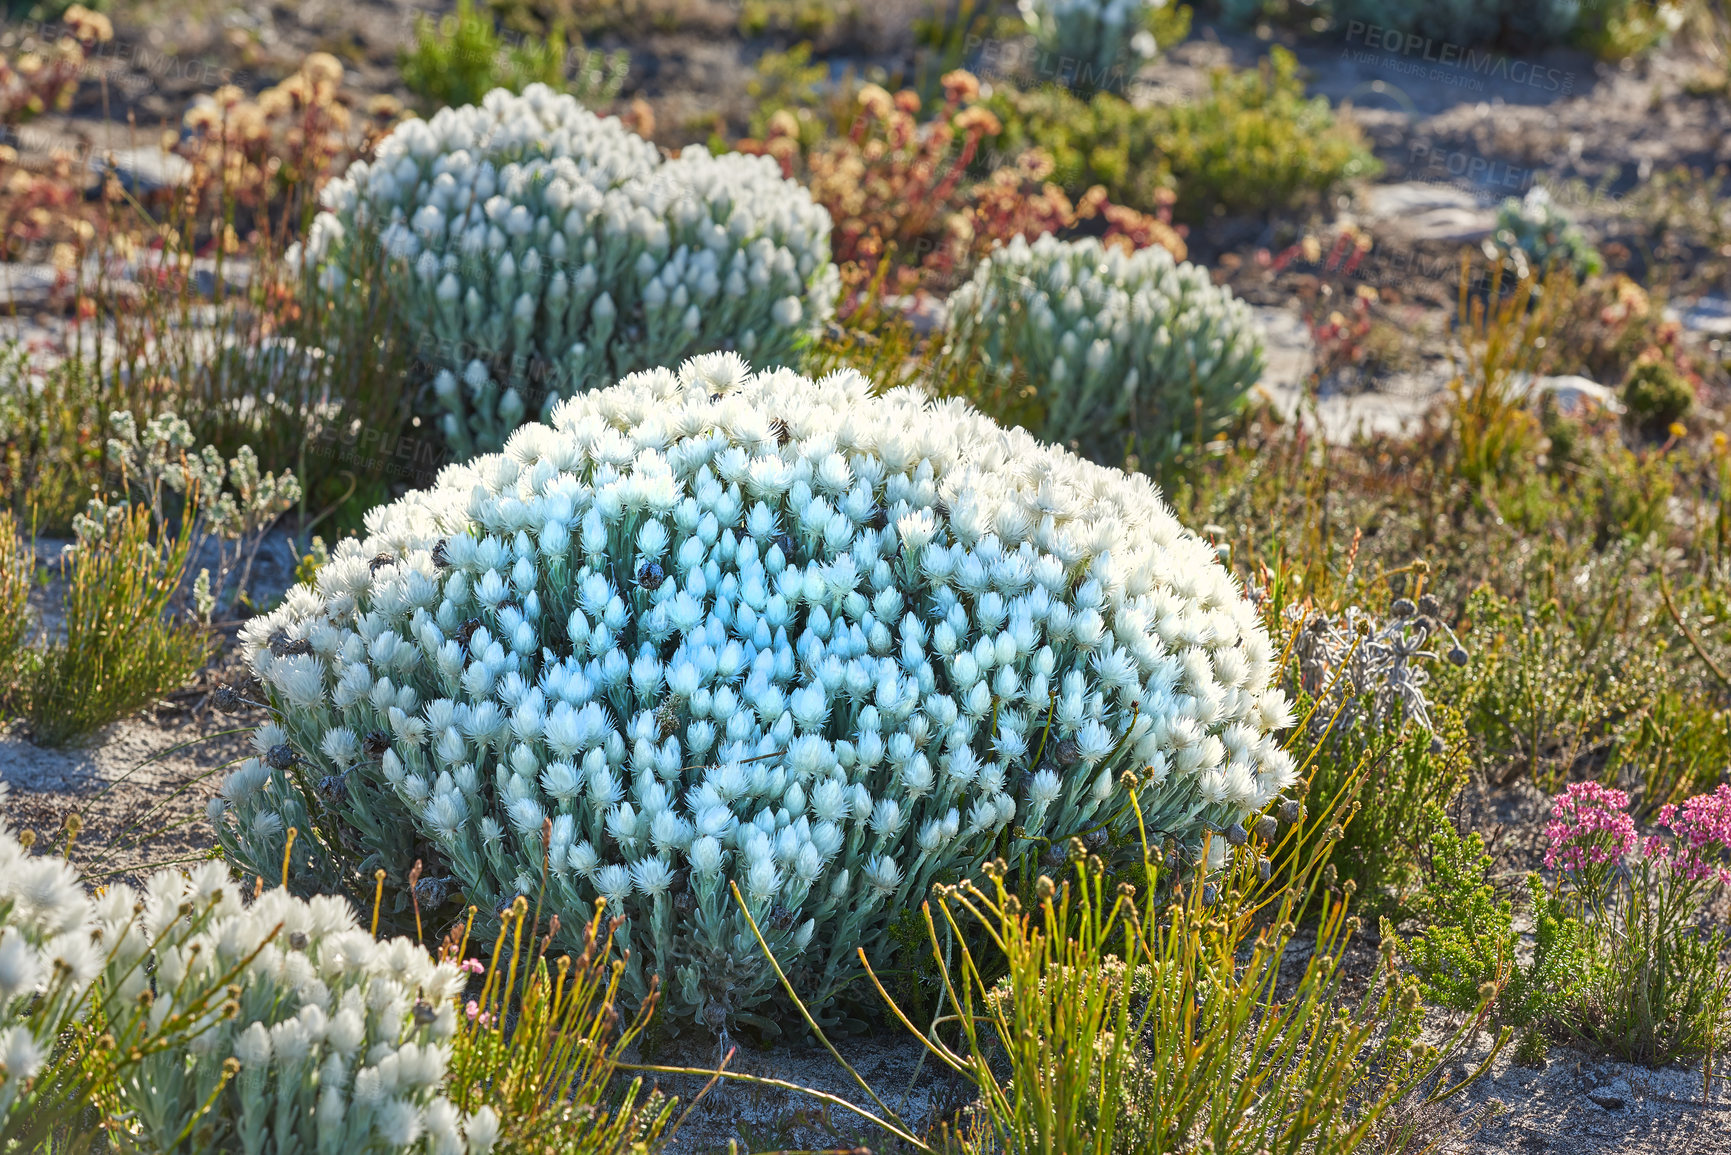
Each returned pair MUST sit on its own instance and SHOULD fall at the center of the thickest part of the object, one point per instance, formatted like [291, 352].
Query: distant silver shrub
[539, 250]
[1097, 43]
[1114, 345]
[716, 627]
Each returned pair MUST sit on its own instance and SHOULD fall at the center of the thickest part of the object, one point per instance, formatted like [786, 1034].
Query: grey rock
[1709, 315]
[144, 170]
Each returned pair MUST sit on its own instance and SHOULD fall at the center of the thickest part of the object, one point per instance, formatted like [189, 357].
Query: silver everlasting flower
[825, 645]
[538, 250]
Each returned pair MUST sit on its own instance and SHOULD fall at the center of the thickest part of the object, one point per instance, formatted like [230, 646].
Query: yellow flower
[1677, 431]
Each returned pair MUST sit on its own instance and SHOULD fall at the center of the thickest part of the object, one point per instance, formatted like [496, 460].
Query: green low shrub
[1657, 397]
[1468, 940]
[461, 57]
[1104, 140]
[1254, 143]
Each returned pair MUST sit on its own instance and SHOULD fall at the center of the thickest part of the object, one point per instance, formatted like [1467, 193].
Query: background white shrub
[714, 627]
[539, 250]
[47, 963]
[1094, 43]
[1114, 345]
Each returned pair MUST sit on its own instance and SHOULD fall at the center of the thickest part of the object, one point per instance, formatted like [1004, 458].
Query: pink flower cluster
[1590, 826]
[1701, 828]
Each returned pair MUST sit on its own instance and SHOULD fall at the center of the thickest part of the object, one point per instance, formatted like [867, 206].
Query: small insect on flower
[380, 561]
[666, 720]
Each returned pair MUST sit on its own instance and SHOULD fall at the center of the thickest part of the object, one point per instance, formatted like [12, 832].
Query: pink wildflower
[1702, 829]
[1589, 826]
[473, 966]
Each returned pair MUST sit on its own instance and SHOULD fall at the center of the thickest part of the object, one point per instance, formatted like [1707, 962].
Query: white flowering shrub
[714, 627]
[1114, 345]
[1095, 42]
[539, 250]
[47, 964]
[1537, 228]
[332, 1042]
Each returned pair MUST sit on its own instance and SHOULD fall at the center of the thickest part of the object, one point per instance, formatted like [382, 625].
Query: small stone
[1606, 1098]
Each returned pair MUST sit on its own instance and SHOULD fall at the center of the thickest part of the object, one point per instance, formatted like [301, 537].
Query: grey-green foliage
[541, 251]
[1542, 233]
[1115, 346]
[232, 502]
[1094, 41]
[337, 1043]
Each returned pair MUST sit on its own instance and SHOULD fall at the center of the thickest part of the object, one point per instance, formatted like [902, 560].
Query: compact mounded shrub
[1254, 143]
[1543, 232]
[539, 250]
[1657, 396]
[1095, 42]
[1103, 346]
[713, 627]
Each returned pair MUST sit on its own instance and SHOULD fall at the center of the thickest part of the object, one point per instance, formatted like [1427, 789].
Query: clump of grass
[1142, 1010]
[538, 1047]
[121, 649]
[17, 570]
